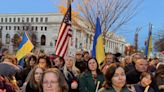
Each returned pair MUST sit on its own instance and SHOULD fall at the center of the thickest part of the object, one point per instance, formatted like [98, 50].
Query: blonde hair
[74, 69]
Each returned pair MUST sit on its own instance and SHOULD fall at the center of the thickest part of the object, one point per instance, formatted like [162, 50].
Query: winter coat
[111, 89]
[88, 84]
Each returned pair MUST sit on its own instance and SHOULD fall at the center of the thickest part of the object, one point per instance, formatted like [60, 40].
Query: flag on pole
[98, 47]
[25, 47]
[64, 34]
[148, 49]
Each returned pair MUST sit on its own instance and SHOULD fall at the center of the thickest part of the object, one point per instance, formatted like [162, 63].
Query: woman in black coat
[33, 84]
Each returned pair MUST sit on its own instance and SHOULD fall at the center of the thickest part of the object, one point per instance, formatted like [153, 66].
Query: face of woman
[57, 62]
[42, 63]
[92, 64]
[69, 62]
[119, 78]
[32, 62]
[50, 83]
[38, 75]
[145, 81]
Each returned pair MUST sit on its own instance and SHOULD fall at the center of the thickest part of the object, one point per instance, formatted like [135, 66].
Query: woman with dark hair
[31, 62]
[44, 61]
[115, 80]
[91, 79]
[159, 77]
[54, 81]
[34, 82]
[145, 84]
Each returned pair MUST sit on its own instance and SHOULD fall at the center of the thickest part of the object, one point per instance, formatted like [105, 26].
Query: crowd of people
[82, 73]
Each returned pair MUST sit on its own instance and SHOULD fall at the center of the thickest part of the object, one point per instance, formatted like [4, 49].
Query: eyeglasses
[49, 82]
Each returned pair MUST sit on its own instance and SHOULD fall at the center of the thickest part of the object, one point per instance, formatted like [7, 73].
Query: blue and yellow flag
[98, 46]
[148, 49]
[25, 47]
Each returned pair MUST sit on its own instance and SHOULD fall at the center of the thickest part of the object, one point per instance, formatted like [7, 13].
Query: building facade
[46, 27]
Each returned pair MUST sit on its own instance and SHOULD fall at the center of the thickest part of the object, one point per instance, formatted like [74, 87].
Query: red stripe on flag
[64, 34]
[64, 45]
[62, 40]
[61, 32]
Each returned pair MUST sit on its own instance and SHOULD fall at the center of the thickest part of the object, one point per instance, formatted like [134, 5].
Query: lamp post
[136, 38]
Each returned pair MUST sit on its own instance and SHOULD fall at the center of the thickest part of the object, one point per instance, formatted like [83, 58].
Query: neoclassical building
[46, 27]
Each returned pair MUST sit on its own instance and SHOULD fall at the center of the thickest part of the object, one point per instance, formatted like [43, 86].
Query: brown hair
[61, 80]
[46, 58]
[10, 57]
[32, 81]
[109, 74]
[144, 74]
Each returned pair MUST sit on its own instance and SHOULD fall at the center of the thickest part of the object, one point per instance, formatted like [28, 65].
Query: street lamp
[136, 38]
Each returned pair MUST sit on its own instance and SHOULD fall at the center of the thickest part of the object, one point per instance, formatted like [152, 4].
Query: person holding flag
[24, 48]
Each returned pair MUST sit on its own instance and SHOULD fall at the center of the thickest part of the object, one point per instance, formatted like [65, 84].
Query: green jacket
[111, 89]
[87, 83]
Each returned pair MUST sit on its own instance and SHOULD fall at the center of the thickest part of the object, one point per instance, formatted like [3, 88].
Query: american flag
[64, 35]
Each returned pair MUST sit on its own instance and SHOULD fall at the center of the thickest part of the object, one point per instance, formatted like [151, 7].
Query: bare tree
[113, 14]
[159, 41]
[19, 33]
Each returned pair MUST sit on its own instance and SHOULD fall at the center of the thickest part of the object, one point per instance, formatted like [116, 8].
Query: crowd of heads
[51, 73]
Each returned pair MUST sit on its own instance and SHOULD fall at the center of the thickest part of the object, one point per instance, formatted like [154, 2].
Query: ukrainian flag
[148, 49]
[98, 46]
[24, 47]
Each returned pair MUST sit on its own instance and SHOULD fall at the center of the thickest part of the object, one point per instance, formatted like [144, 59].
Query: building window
[36, 28]
[6, 27]
[55, 42]
[32, 19]
[1, 27]
[76, 42]
[10, 20]
[32, 28]
[15, 27]
[23, 20]
[43, 40]
[18, 19]
[46, 19]
[41, 28]
[1, 19]
[27, 19]
[41, 19]
[24, 27]
[14, 20]
[18, 28]
[5, 19]
[45, 28]
[36, 19]
[7, 39]
[9, 27]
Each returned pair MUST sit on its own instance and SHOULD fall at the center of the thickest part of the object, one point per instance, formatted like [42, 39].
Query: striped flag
[64, 34]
